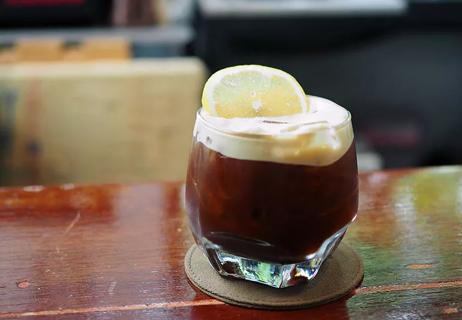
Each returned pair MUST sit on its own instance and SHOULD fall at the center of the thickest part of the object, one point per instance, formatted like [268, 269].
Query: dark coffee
[268, 211]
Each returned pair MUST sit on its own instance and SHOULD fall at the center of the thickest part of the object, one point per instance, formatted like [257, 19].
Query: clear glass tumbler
[271, 209]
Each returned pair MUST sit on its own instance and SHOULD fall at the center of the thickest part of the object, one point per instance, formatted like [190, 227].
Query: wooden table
[116, 252]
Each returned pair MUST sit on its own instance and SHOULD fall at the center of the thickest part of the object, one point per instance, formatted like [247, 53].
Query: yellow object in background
[102, 49]
[39, 50]
[49, 50]
[8, 56]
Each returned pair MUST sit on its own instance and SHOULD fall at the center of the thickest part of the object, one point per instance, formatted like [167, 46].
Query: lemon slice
[253, 91]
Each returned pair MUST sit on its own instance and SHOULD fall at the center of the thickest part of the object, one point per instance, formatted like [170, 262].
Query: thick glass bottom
[276, 275]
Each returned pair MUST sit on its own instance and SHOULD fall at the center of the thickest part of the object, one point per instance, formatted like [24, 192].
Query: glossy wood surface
[116, 252]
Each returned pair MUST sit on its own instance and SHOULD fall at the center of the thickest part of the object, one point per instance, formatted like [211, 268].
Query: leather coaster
[339, 274]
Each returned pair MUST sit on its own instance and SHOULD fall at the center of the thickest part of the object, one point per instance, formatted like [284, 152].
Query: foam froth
[319, 137]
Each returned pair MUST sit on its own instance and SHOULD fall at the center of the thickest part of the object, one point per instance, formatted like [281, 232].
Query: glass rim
[212, 126]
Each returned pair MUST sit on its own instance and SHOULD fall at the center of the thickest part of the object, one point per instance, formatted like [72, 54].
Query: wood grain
[116, 252]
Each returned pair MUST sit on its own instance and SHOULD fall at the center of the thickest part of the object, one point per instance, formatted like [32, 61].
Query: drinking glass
[271, 222]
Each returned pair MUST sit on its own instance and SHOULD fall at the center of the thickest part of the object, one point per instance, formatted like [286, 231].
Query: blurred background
[95, 91]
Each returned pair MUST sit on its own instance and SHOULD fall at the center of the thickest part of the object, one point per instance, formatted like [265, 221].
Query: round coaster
[340, 274]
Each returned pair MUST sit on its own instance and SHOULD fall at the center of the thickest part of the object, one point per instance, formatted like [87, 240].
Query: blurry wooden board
[97, 122]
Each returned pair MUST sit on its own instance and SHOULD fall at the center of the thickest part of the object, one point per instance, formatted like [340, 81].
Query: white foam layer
[317, 138]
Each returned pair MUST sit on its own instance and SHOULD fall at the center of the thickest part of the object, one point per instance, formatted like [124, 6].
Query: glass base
[272, 274]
